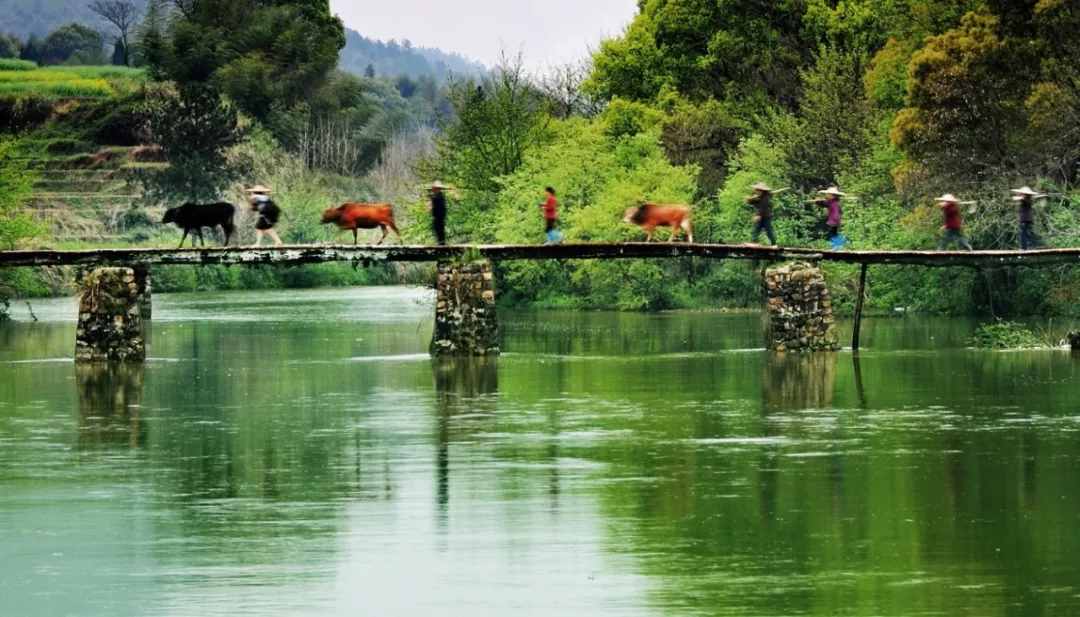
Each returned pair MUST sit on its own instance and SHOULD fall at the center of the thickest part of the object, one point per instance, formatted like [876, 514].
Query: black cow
[192, 218]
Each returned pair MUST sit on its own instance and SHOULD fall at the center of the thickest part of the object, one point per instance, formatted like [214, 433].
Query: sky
[547, 32]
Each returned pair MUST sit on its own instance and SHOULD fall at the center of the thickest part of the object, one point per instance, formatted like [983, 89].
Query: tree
[150, 37]
[122, 15]
[10, 47]
[369, 71]
[74, 44]
[262, 55]
[964, 89]
[196, 129]
[495, 122]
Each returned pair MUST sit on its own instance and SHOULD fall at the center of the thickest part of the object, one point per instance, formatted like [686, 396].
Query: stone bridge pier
[111, 317]
[466, 322]
[800, 314]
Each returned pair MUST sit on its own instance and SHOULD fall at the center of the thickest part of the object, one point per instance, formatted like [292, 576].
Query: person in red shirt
[550, 208]
[954, 225]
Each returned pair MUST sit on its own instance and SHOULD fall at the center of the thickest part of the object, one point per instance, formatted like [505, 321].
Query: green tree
[10, 47]
[73, 44]
[196, 129]
[261, 54]
[962, 103]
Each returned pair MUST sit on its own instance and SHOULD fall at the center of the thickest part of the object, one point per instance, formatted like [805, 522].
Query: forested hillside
[364, 56]
[23, 18]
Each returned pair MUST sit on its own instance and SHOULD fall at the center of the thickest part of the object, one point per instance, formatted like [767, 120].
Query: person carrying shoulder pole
[836, 213]
[954, 224]
[268, 214]
[550, 209]
[761, 202]
[1025, 198]
[438, 212]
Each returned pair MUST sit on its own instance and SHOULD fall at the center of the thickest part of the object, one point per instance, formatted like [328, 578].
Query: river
[298, 453]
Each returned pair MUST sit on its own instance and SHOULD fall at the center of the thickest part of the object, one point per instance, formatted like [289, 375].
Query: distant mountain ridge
[391, 59]
[40, 17]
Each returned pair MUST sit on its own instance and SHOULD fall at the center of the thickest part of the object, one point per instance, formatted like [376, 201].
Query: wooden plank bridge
[309, 254]
[465, 307]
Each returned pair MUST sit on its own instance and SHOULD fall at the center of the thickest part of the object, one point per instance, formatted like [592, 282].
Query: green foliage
[260, 54]
[14, 64]
[196, 129]
[73, 44]
[496, 121]
[1006, 335]
[16, 187]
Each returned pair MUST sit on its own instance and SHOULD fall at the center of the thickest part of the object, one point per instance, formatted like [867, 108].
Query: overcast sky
[547, 31]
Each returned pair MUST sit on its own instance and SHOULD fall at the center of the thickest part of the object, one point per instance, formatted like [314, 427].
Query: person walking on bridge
[761, 202]
[550, 209]
[438, 212]
[954, 224]
[267, 212]
[836, 213]
[1025, 198]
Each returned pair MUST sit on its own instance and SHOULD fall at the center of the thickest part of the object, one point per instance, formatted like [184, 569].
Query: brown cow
[363, 216]
[650, 216]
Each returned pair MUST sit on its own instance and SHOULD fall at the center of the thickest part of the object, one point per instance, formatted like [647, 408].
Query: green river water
[298, 453]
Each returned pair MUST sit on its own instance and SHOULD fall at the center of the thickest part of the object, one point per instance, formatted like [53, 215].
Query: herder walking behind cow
[1025, 198]
[438, 212]
[268, 214]
[836, 213]
[761, 201]
[954, 224]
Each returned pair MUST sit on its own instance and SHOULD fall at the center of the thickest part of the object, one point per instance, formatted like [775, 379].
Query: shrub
[12, 64]
[1006, 335]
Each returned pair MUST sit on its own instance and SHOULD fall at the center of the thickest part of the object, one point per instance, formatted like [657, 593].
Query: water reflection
[110, 404]
[465, 395]
[792, 382]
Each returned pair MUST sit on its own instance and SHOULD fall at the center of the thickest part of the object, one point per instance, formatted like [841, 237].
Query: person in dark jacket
[267, 212]
[438, 212]
[1025, 198]
[761, 202]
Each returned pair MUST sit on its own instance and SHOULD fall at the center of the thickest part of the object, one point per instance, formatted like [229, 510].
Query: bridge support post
[466, 323]
[800, 315]
[110, 317]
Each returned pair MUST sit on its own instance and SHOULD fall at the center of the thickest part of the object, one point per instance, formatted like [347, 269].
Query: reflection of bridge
[465, 323]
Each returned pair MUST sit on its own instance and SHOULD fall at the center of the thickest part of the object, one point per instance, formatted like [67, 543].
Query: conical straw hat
[258, 189]
[761, 187]
[832, 190]
[947, 198]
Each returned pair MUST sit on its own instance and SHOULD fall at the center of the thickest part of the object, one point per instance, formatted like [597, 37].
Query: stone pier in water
[800, 315]
[111, 316]
[466, 323]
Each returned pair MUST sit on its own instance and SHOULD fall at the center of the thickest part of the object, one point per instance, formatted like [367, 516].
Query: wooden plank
[295, 255]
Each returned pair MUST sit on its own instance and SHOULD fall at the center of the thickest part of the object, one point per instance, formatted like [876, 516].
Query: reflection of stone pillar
[800, 381]
[466, 323]
[799, 309]
[110, 399]
[142, 279]
[110, 318]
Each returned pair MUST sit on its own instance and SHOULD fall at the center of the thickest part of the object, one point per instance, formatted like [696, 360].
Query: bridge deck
[296, 255]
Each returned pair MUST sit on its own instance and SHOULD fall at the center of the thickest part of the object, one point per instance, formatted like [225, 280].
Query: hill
[40, 17]
[391, 59]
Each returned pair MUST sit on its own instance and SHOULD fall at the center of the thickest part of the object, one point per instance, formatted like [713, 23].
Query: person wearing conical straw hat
[954, 225]
[267, 212]
[1025, 198]
[438, 211]
[761, 202]
[836, 213]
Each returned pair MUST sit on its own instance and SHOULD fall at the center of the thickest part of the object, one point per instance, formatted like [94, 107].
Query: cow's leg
[394, 228]
[649, 231]
[675, 230]
[689, 230]
[385, 232]
[184, 239]
[355, 236]
[227, 229]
